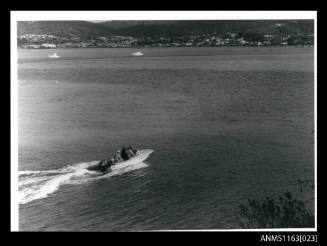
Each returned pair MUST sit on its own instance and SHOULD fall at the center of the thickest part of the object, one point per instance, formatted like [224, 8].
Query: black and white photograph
[163, 121]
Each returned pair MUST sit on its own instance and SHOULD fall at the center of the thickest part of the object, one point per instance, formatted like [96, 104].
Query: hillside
[84, 29]
[184, 28]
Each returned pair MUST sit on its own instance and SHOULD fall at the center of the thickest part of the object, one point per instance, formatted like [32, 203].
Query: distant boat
[139, 53]
[54, 55]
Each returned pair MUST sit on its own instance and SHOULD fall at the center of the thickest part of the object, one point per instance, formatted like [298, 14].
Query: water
[226, 124]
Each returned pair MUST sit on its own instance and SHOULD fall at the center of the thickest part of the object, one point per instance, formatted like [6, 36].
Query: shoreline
[149, 47]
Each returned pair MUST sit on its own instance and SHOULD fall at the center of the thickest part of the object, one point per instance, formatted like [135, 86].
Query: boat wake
[33, 185]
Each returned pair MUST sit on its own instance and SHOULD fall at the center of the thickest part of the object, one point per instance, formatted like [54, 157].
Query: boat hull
[142, 156]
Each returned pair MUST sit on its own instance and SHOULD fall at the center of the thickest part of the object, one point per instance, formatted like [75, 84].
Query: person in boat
[124, 153]
[117, 157]
[130, 153]
[135, 151]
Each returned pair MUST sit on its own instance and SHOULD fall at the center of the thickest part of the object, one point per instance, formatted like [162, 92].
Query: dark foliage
[286, 212]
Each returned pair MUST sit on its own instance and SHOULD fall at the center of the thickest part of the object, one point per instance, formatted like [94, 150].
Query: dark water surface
[226, 124]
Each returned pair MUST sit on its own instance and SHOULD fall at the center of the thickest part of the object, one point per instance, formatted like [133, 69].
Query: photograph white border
[140, 15]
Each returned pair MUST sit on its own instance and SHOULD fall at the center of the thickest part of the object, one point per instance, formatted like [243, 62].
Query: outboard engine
[102, 166]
